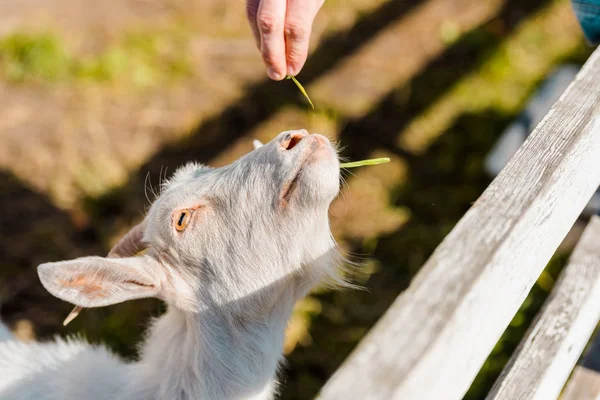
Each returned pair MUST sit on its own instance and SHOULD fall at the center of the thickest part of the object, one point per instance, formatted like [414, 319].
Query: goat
[230, 250]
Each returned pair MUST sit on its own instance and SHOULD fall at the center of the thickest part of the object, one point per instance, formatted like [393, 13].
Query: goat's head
[215, 236]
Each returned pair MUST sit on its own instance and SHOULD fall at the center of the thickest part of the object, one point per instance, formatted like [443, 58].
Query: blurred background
[98, 100]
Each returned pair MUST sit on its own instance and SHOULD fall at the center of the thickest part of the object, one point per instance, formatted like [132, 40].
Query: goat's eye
[182, 219]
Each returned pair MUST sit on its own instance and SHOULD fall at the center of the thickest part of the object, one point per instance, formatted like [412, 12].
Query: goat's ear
[257, 143]
[98, 281]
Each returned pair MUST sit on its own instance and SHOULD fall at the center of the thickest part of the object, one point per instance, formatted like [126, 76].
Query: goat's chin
[320, 178]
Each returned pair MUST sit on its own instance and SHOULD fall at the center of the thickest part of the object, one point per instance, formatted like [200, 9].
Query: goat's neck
[214, 354]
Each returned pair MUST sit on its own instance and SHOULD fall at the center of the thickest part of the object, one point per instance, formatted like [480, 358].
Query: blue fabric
[588, 13]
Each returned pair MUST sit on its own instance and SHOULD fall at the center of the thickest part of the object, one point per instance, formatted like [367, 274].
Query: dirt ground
[98, 101]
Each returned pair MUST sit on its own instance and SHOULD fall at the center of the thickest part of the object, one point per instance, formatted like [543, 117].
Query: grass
[24, 56]
[373, 161]
[139, 58]
[302, 90]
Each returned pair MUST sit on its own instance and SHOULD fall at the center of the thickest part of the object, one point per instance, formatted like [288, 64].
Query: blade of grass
[373, 161]
[293, 78]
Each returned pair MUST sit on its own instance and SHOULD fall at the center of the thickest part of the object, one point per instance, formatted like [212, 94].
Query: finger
[298, 23]
[251, 13]
[270, 18]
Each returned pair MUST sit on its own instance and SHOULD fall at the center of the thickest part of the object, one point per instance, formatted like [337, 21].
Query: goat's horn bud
[130, 244]
[257, 143]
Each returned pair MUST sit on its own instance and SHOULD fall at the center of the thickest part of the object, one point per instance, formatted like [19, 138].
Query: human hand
[282, 31]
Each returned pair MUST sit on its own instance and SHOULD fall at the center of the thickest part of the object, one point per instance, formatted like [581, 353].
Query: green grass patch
[140, 59]
[24, 56]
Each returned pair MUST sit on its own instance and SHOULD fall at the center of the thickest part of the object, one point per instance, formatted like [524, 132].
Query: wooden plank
[583, 385]
[551, 347]
[433, 340]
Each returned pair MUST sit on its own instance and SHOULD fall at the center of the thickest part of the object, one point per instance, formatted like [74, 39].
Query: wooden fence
[435, 337]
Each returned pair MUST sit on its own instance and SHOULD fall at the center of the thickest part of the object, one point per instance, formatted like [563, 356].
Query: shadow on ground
[34, 231]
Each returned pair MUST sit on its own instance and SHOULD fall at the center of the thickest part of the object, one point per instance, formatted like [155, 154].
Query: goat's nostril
[291, 139]
[292, 142]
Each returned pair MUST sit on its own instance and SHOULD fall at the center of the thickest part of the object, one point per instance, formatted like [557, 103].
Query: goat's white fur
[230, 280]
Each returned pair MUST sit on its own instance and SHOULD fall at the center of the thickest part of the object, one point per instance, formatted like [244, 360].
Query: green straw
[373, 161]
[301, 89]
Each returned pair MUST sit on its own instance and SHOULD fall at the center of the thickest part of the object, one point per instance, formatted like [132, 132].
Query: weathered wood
[432, 341]
[547, 354]
[583, 385]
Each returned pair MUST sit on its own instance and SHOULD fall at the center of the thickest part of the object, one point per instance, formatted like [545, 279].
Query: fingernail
[291, 71]
[274, 75]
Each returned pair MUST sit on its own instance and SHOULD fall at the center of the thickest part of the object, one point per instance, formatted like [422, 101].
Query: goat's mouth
[311, 152]
[290, 187]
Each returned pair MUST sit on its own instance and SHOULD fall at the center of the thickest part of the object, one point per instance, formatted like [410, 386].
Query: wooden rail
[433, 340]
[547, 354]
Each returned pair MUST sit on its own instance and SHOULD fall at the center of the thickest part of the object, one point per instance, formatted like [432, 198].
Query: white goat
[230, 250]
